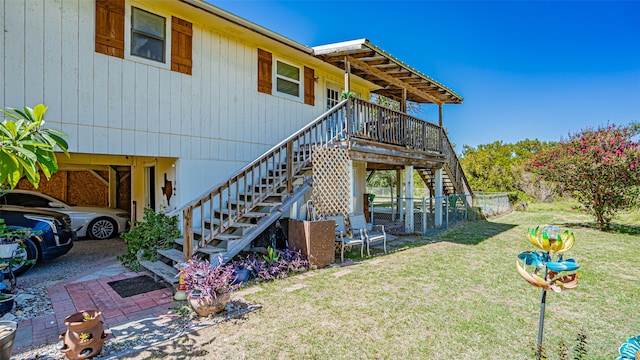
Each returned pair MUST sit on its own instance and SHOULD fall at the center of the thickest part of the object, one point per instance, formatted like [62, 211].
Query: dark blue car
[51, 234]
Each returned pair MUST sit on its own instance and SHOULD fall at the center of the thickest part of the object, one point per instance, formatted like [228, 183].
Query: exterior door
[333, 95]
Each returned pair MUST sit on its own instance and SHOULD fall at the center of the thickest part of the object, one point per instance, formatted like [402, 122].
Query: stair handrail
[349, 118]
[460, 180]
[265, 165]
[260, 158]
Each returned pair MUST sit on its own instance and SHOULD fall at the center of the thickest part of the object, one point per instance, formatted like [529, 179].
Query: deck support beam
[347, 74]
[438, 203]
[403, 103]
[408, 195]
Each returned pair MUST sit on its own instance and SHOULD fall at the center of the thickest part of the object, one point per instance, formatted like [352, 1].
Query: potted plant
[85, 335]
[7, 336]
[208, 285]
[6, 303]
[11, 239]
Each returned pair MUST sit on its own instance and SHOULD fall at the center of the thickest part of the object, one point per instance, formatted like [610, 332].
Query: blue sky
[525, 69]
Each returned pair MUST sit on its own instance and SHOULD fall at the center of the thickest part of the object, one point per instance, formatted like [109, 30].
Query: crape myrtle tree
[26, 147]
[600, 167]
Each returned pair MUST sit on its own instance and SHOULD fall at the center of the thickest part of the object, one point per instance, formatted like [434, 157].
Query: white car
[94, 222]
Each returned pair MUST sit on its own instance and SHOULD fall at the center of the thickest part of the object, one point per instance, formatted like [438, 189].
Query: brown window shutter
[181, 46]
[309, 86]
[110, 27]
[264, 71]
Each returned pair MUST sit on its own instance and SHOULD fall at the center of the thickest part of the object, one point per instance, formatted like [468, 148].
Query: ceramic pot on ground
[7, 336]
[6, 303]
[209, 306]
[85, 335]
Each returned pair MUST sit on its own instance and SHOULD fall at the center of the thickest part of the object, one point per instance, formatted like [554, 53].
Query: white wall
[214, 121]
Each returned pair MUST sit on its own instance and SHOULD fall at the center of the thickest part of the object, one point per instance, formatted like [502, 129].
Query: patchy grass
[457, 298]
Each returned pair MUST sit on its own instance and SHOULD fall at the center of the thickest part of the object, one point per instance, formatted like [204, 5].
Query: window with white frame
[148, 35]
[288, 80]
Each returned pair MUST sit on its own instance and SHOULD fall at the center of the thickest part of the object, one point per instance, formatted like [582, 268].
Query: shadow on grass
[475, 232]
[613, 227]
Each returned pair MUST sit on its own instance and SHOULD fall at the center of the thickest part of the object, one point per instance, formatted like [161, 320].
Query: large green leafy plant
[156, 231]
[26, 148]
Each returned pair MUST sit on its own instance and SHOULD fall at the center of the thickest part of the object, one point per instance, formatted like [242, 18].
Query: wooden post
[289, 168]
[113, 188]
[347, 75]
[409, 225]
[399, 193]
[403, 103]
[441, 129]
[438, 187]
[187, 224]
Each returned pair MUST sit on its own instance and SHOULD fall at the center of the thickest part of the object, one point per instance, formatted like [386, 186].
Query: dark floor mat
[134, 286]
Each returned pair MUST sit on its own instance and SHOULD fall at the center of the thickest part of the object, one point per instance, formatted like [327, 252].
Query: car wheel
[27, 252]
[102, 228]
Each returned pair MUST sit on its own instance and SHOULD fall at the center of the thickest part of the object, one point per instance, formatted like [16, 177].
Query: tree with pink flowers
[600, 167]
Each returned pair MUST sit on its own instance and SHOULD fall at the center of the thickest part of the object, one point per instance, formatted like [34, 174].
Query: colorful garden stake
[543, 268]
[630, 350]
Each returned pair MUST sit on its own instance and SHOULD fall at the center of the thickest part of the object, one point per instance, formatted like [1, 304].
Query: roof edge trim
[248, 24]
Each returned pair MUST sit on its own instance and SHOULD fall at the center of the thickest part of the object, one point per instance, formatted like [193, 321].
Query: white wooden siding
[108, 105]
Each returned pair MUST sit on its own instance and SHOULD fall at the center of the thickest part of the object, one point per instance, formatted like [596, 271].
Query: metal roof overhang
[390, 74]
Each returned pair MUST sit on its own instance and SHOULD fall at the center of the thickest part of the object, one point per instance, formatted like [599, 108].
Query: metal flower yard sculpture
[547, 269]
[630, 350]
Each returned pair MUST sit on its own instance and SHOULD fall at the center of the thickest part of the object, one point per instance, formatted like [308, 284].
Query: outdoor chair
[342, 239]
[359, 228]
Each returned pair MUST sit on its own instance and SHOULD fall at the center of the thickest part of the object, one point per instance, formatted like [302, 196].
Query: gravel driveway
[85, 255]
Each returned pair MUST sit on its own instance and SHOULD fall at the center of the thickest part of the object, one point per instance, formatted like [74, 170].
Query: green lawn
[458, 298]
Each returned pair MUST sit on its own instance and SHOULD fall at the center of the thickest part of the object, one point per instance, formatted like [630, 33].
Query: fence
[451, 209]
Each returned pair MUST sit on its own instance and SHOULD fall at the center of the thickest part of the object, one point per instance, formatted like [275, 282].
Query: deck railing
[377, 123]
[216, 210]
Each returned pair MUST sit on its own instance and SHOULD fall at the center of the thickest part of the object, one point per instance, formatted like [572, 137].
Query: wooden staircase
[228, 217]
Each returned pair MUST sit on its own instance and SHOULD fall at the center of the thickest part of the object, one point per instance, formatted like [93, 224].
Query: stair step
[207, 249]
[228, 237]
[253, 214]
[260, 189]
[211, 250]
[164, 271]
[261, 203]
[174, 254]
[239, 225]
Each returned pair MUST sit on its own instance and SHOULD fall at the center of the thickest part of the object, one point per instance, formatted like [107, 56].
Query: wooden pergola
[395, 79]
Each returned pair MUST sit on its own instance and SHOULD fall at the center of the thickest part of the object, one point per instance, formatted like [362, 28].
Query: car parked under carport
[91, 221]
[51, 235]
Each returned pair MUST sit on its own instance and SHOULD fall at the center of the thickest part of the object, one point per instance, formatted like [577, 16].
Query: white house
[173, 97]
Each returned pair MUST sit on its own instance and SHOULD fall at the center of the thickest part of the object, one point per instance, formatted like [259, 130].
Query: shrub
[278, 265]
[156, 231]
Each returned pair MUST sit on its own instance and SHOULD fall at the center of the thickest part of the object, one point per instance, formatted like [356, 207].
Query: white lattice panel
[331, 194]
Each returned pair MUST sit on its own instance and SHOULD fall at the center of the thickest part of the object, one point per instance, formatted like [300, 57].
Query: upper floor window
[287, 79]
[148, 35]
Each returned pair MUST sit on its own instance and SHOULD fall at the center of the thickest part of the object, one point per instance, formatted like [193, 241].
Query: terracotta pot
[209, 306]
[83, 339]
[76, 322]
